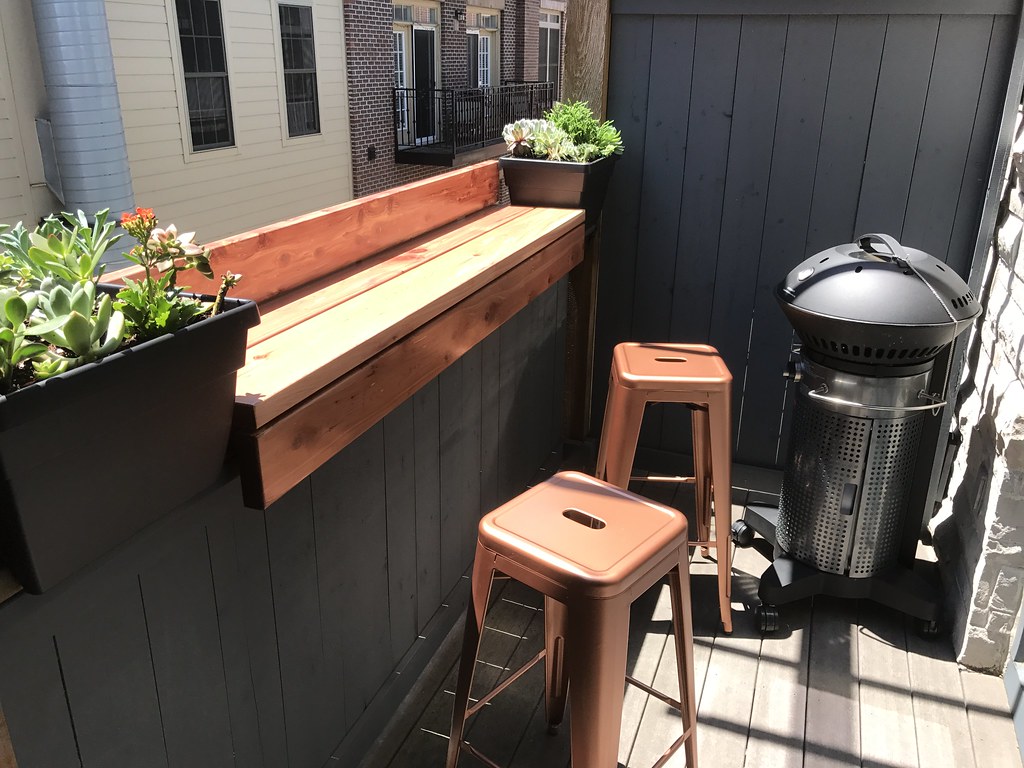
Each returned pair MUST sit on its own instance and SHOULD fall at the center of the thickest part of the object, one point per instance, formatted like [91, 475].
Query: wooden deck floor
[842, 683]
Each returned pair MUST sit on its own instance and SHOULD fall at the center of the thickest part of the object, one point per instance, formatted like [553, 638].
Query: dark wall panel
[784, 129]
[226, 637]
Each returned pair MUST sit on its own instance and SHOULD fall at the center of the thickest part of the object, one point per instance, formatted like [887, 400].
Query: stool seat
[696, 375]
[676, 367]
[593, 544]
[591, 549]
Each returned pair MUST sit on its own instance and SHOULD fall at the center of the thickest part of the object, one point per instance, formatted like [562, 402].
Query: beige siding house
[23, 194]
[262, 170]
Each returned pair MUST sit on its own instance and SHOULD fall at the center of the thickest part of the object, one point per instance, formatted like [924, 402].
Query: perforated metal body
[847, 480]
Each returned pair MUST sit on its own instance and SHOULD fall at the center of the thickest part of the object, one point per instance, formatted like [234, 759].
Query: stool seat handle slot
[584, 518]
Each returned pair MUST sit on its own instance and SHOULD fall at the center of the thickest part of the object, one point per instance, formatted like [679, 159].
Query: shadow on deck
[841, 683]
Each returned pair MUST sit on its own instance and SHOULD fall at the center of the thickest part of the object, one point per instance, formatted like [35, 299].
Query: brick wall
[979, 532]
[370, 68]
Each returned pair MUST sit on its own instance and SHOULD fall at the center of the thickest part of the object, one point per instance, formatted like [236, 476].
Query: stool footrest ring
[654, 692]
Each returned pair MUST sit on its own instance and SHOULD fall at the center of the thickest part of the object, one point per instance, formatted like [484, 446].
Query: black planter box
[92, 456]
[552, 184]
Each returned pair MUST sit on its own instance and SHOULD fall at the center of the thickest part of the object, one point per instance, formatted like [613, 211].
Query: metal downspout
[85, 112]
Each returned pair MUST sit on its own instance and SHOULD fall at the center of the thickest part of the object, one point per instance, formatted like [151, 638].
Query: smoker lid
[878, 281]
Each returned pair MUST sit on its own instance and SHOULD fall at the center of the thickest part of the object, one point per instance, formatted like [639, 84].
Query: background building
[224, 114]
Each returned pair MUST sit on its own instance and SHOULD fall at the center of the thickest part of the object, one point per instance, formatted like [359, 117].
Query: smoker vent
[874, 354]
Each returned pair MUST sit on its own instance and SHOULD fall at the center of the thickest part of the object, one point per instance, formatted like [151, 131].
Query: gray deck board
[843, 683]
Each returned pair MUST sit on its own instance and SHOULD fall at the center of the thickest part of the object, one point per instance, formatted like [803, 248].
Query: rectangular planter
[555, 184]
[92, 456]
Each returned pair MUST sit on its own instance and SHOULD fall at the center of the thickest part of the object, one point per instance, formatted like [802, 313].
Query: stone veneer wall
[979, 531]
[370, 58]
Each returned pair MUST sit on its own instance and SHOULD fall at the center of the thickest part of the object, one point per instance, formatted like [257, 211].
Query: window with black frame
[206, 75]
[301, 101]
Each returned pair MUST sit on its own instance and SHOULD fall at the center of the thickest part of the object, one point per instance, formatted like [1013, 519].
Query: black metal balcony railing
[432, 126]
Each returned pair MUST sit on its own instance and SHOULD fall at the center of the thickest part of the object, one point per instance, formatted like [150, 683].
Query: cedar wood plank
[283, 312]
[281, 372]
[285, 255]
[291, 447]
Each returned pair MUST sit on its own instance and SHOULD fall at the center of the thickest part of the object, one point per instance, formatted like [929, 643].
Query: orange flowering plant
[156, 305]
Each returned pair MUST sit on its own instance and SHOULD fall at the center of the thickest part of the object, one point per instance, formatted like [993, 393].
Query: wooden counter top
[364, 303]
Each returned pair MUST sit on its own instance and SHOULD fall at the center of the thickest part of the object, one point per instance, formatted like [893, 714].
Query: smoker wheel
[742, 534]
[929, 628]
[767, 618]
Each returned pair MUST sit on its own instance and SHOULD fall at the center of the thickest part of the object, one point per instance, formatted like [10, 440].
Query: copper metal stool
[694, 374]
[591, 549]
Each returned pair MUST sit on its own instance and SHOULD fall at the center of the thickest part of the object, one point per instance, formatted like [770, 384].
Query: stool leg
[720, 415]
[682, 628]
[623, 416]
[480, 590]
[556, 682]
[595, 653]
[702, 474]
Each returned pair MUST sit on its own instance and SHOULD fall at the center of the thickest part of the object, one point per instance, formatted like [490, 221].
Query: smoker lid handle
[896, 251]
[819, 394]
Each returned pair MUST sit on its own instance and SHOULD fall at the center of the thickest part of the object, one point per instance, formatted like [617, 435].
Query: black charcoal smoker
[871, 316]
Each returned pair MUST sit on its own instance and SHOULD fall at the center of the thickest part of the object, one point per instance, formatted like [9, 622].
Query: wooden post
[6, 748]
[587, 38]
[585, 72]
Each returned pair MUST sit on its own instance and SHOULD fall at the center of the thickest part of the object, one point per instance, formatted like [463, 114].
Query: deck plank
[832, 731]
[992, 734]
[940, 716]
[727, 697]
[887, 730]
[780, 695]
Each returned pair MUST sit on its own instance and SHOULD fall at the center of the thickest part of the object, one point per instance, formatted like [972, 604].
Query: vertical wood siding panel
[628, 82]
[844, 131]
[960, 56]
[896, 123]
[758, 78]
[467, 469]
[490, 421]
[246, 625]
[104, 651]
[700, 215]
[33, 698]
[511, 450]
[665, 141]
[184, 639]
[351, 538]
[710, 122]
[454, 504]
[305, 684]
[809, 48]
[542, 356]
[428, 502]
[979, 156]
[400, 492]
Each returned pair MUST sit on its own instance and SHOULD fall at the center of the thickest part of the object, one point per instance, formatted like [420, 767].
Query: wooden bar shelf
[365, 302]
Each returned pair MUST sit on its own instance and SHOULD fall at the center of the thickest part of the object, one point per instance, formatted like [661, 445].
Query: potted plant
[562, 161]
[115, 401]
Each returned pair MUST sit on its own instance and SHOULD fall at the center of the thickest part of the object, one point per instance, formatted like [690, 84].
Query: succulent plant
[69, 250]
[83, 329]
[18, 342]
[569, 131]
